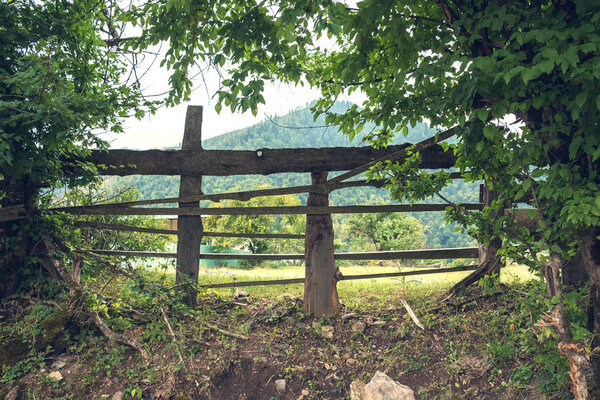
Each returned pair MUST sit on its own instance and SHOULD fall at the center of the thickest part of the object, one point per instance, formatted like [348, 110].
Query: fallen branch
[173, 336]
[226, 333]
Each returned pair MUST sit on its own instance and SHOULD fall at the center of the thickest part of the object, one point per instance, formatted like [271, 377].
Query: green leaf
[580, 99]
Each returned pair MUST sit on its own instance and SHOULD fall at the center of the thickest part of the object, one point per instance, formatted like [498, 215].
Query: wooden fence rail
[254, 162]
[128, 228]
[272, 210]
[342, 278]
[425, 254]
[241, 196]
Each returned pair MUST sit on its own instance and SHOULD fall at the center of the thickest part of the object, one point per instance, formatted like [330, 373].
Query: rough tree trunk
[574, 352]
[320, 291]
[189, 228]
[590, 252]
[574, 275]
[16, 243]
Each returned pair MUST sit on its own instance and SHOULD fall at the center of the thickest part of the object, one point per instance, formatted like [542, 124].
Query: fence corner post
[189, 227]
[320, 290]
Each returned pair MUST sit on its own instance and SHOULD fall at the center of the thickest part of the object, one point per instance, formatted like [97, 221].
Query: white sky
[165, 128]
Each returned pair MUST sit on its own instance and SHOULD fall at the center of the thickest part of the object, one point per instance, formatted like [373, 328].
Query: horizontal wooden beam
[265, 210]
[259, 162]
[128, 228]
[425, 254]
[342, 278]
[12, 213]
[243, 195]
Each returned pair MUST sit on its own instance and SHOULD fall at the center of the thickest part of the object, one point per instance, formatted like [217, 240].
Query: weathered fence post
[189, 228]
[488, 252]
[320, 291]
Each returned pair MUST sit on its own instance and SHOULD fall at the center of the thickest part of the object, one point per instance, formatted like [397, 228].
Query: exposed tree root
[58, 271]
[574, 352]
[485, 268]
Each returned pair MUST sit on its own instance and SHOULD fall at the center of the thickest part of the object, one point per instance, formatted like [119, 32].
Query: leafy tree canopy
[61, 83]
[383, 232]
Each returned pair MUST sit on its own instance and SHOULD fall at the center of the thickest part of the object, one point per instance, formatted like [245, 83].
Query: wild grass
[354, 294]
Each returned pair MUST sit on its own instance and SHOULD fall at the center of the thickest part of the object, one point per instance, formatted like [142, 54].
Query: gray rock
[356, 389]
[327, 331]
[381, 387]
[477, 366]
[359, 326]
[58, 364]
[56, 375]
[117, 396]
[348, 316]
[281, 386]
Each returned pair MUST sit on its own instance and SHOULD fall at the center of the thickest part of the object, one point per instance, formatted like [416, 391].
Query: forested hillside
[298, 130]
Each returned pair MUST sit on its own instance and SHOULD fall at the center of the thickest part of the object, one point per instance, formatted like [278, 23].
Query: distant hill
[298, 130]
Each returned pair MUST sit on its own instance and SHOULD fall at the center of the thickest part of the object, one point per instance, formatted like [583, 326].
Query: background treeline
[298, 130]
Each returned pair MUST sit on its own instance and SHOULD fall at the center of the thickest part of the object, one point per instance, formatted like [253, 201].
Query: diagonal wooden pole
[189, 233]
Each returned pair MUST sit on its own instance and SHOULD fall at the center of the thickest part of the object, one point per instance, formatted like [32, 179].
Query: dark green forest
[298, 130]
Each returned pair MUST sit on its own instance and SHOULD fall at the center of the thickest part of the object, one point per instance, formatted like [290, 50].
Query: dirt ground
[260, 341]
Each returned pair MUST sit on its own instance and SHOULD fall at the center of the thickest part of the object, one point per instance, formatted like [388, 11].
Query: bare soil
[448, 360]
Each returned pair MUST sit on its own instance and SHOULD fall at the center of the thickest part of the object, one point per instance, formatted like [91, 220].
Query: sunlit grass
[352, 293]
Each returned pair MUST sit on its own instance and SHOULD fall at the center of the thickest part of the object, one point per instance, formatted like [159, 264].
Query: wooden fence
[321, 274]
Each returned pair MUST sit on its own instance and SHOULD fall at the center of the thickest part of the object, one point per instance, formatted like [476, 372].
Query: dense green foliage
[60, 84]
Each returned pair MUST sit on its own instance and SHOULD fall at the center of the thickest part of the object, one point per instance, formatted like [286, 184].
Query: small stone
[58, 364]
[305, 392]
[117, 396]
[327, 331]
[382, 387]
[477, 366]
[56, 375]
[348, 316]
[281, 386]
[359, 326]
[240, 293]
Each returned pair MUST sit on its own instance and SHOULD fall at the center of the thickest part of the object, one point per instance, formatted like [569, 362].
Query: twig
[224, 332]
[412, 314]
[173, 336]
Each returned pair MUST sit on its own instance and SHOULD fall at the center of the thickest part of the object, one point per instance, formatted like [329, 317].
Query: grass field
[352, 293]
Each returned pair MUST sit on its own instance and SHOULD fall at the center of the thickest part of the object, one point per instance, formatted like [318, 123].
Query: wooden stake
[189, 233]
[320, 291]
